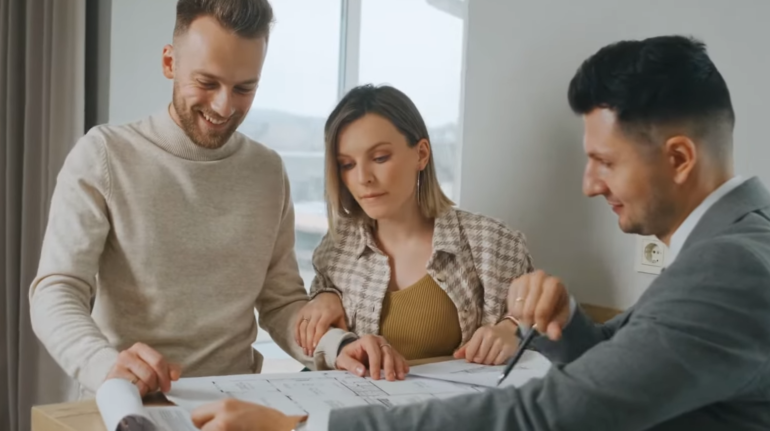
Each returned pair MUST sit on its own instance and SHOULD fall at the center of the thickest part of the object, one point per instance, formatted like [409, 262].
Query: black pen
[520, 351]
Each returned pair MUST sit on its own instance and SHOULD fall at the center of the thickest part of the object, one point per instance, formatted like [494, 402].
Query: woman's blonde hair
[396, 107]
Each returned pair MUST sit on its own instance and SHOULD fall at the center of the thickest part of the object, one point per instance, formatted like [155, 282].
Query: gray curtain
[42, 49]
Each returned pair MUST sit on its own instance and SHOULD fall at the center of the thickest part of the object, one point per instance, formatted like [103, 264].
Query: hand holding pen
[537, 301]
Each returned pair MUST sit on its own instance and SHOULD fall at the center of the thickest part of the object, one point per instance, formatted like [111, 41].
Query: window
[319, 49]
[299, 87]
[416, 46]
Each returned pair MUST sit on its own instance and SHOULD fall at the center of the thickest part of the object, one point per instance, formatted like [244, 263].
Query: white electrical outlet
[650, 255]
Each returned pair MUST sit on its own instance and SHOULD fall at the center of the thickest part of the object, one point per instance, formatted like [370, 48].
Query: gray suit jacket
[692, 354]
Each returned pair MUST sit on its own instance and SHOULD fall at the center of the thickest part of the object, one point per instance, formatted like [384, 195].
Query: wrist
[509, 322]
[335, 292]
[344, 343]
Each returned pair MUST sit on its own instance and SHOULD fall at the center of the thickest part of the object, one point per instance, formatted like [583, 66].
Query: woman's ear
[423, 153]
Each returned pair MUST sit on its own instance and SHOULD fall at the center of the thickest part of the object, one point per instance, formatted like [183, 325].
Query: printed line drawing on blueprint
[303, 393]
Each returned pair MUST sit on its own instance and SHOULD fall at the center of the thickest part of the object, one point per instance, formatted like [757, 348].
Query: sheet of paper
[189, 394]
[304, 393]
[312, 404]
[530, 360]
[515, 378]
[121, 407]
[531, 365]
[418, 385]
[449, 367]
[278, 391]
[308, 392]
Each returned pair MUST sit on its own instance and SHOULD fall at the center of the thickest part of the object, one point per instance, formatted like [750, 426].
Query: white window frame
[350, 45]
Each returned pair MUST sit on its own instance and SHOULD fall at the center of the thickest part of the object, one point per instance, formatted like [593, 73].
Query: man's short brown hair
[246, 18]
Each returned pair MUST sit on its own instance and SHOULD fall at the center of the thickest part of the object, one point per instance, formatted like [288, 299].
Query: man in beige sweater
[177, 226]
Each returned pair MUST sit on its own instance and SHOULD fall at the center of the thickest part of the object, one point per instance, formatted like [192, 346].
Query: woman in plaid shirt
[399, 261]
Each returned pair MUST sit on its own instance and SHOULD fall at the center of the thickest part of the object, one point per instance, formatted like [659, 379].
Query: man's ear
[682, 155]
[168, 61]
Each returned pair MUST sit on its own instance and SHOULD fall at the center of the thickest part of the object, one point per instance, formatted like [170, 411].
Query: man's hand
[145, 368]
[490, 345]
[375, 351]
[537, 298]
[316, 317]
[234, 415]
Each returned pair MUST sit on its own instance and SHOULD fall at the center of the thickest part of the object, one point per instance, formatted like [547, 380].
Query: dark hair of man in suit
[659, 125]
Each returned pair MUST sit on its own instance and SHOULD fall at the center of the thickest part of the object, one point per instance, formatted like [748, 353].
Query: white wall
[522, 157]
[140, 30]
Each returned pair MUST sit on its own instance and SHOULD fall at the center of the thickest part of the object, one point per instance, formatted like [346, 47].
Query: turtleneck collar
[172, 138]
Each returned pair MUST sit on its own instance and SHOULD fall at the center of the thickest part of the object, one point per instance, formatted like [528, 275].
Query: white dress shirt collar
[684, 231]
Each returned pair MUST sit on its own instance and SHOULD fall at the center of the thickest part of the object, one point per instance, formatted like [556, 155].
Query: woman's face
[378, 167]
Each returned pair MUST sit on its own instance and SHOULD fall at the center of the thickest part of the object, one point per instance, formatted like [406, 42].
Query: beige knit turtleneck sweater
[176, 244]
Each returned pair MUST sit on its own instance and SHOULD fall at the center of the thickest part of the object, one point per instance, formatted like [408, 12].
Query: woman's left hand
[491, 344]
[316, 317]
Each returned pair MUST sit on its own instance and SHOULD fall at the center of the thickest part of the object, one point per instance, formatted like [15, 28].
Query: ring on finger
[519, 299]
[134, 380]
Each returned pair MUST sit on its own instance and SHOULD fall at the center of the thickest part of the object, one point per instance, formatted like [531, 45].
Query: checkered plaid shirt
[474, 260]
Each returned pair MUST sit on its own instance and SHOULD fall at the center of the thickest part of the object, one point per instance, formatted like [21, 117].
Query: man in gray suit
[694, 352]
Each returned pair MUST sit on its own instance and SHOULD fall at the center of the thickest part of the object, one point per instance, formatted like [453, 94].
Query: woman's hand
[316, 317]
[491, 344]
[375, 353]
